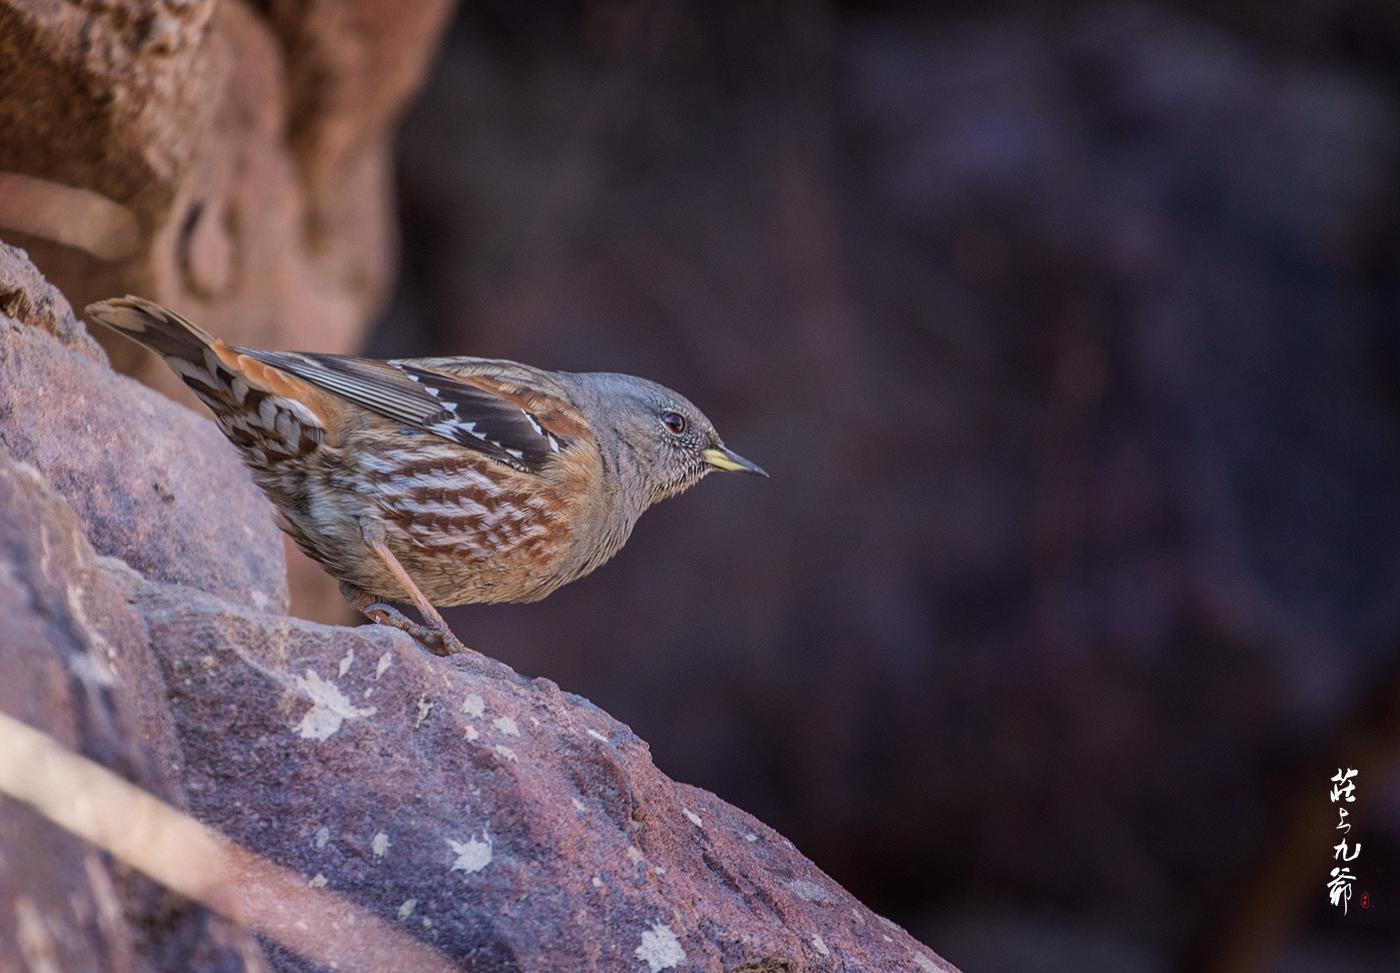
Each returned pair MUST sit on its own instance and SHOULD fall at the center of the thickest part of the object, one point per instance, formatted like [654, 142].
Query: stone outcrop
[505, 823]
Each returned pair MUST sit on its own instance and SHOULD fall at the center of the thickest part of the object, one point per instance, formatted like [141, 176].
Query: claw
[382, 613]
[435, 640]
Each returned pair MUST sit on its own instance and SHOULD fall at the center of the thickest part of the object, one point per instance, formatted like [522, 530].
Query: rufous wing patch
[279, 383]
[550, 411]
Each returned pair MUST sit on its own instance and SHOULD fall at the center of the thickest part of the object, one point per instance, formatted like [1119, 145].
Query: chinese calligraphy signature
[1343, 793]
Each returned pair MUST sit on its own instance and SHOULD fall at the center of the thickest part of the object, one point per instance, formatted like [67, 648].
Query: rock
[77, 667]
[140, 471]
[27, 298]
[509, 824]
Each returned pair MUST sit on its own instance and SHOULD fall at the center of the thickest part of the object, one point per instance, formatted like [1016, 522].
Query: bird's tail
[268, 414]
[158, 328]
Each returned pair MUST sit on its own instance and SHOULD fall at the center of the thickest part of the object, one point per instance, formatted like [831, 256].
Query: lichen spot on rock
[474, 706]
[810, 891]
[473, 854]
[379, 844]
[329, 708]
[506, 726]
[425, 706]
[660, 949]
[692, 817]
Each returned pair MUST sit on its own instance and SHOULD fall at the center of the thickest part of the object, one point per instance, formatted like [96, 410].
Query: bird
[439, 481]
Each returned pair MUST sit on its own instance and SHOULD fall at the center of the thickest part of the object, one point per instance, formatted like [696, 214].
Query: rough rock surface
[508, 824]
[228, 158]
[153, 483]
[77, 667]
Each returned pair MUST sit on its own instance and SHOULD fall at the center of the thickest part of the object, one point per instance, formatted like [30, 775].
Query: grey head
[655, 441]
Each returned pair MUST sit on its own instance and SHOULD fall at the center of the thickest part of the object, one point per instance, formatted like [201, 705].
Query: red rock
[510, 824]
[151, 482]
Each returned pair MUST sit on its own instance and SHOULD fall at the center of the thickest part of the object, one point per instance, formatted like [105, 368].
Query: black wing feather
[430, 400]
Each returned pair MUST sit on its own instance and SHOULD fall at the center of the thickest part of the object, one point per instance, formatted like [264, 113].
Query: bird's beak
[731, 462]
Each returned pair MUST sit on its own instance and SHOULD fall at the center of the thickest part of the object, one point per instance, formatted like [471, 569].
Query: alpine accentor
[441, 480]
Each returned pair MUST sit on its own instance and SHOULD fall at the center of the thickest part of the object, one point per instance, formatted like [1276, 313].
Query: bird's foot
[435, 641]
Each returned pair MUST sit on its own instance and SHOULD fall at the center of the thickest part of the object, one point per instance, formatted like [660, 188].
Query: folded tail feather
[264, 411]
[158, 328]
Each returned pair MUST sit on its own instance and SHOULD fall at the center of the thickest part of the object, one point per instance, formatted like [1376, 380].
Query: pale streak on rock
[32, 935]
[68, 215]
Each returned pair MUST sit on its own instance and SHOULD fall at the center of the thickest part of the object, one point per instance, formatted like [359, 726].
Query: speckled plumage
[443, 481]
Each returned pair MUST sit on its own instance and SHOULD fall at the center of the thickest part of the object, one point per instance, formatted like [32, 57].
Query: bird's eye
[675, 422]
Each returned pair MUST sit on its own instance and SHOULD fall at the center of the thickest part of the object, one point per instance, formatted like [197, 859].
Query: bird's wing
[500, 415]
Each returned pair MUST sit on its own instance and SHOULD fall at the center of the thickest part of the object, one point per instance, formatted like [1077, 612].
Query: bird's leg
[435, 635]
[383, 613]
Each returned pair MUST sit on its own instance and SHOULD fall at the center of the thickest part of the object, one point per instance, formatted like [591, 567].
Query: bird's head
[655, 435]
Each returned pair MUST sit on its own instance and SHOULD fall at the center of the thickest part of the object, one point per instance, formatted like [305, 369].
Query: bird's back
[483, 473]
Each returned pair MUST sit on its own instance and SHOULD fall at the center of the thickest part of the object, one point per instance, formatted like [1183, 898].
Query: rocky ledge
[499, 821]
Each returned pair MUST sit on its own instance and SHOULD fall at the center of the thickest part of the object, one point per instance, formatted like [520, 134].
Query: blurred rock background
[1068, 334]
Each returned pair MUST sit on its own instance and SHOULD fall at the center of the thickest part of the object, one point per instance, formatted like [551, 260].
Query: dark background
[1068, 334]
